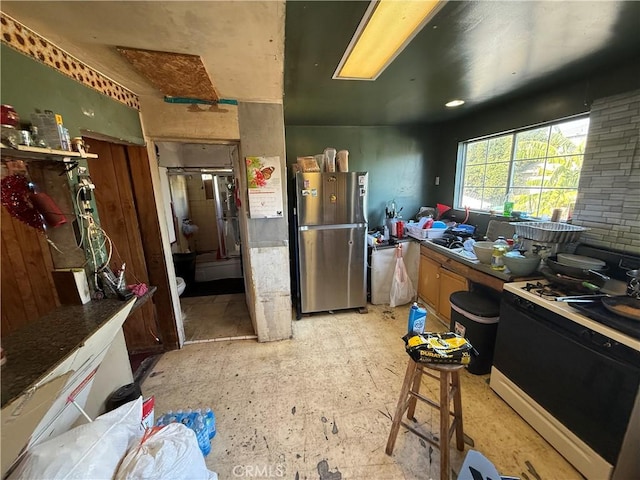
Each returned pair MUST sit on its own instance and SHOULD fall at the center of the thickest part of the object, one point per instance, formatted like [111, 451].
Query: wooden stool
[448, 374]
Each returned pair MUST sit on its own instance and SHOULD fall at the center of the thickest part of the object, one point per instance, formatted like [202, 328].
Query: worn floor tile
[319, 406]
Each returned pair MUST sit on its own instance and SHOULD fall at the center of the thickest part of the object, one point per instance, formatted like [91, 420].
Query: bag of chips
[429, 347]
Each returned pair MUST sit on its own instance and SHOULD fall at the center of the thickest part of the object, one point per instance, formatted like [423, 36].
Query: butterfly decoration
[266, 172]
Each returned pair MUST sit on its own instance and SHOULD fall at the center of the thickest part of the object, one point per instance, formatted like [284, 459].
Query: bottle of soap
[500, 247]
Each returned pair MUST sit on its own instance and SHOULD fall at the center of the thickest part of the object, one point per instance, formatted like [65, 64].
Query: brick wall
[608, 200]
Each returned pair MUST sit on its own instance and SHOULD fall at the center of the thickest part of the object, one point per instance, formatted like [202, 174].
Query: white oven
[573, 379]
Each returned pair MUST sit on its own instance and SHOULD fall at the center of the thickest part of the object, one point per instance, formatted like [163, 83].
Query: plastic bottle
[202, 435]
[500, 247]
[417, 319]
[210, 422]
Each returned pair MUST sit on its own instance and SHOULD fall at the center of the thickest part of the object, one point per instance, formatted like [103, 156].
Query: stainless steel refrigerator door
[332, 268]
[332, 198]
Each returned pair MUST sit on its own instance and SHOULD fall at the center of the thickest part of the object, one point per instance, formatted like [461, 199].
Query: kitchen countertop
[502, 275]
[382, 246]
[44, 343]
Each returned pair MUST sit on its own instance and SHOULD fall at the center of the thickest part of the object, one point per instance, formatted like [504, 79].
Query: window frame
[463, 146]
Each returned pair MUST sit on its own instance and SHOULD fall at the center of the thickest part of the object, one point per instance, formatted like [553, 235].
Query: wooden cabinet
[429, 281]
[436, 283]
[449, 282]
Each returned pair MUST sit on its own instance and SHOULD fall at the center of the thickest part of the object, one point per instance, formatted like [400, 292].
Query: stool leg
[402, 405]
[417, 379]
[457, 410]
[444, 424]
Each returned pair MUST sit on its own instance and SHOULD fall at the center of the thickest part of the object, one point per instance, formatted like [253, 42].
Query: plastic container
[475, 317]
[329, 159]
[417, 319]
[424, 233]
[500, 247]
[343, 160]
[551, 232]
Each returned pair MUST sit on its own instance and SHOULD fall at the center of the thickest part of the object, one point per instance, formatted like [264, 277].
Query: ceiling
[241, 42]
[480, 51]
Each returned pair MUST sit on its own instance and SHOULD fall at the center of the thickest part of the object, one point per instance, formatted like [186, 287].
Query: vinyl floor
[319, 406]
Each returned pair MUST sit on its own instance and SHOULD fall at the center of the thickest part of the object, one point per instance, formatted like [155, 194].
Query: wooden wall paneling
[38, 269]
[27, 286]
[116, 208]
[152, 240]
[13, 309]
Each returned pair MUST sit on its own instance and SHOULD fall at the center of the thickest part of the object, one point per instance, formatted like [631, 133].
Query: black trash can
[125, 394]
[475, 317]
[185, 265]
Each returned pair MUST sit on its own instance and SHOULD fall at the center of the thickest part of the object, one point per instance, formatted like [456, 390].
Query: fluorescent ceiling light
[385, 30]
[454, 103]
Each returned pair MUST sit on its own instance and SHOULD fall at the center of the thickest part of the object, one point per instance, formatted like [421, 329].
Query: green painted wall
[394, 157]
[404, 162]
[29, 85]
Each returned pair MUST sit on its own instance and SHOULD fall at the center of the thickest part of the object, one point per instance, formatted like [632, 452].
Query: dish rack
[551, 232]
[425, 233]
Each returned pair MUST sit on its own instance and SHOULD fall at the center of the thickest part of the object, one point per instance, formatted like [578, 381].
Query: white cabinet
[383, 264]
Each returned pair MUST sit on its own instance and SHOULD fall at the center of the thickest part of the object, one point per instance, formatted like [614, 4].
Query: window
[537, 168]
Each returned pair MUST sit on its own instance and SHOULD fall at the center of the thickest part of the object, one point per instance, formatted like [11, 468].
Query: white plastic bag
[402, 290]
[93, 450]
[167, 452]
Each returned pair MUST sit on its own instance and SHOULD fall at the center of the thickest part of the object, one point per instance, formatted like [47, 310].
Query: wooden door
[142, 182]
[118, 217]
[428, 281]
[449, 282]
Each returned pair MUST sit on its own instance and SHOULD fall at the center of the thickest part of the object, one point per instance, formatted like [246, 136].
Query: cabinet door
[429, 281]
[449, 282]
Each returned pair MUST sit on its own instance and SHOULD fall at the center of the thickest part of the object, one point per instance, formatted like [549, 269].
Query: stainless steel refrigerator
[331, 219]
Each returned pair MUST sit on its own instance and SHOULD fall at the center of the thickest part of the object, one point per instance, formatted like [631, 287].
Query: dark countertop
[506, 277]
[44, 343]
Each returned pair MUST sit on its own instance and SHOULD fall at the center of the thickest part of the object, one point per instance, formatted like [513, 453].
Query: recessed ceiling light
[385, 30]
[454, 103]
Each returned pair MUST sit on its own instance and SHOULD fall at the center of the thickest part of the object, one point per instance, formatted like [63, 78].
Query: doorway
[201, 202]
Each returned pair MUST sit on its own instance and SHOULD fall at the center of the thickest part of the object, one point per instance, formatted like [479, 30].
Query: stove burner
[546, 290]
[530, 286]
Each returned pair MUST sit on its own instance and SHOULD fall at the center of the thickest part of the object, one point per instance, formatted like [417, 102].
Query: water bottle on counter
[417, 319]
[500, 247]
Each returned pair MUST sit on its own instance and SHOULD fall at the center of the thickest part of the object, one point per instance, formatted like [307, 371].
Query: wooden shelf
[37, 153]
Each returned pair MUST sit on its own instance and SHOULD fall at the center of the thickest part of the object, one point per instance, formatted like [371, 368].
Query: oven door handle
[573, 298]
[592, 337]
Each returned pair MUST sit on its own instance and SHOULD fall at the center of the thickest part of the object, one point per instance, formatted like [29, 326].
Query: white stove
[542, 293]
[574, 379]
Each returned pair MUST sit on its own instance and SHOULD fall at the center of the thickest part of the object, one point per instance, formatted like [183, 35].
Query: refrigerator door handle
[336, 226]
